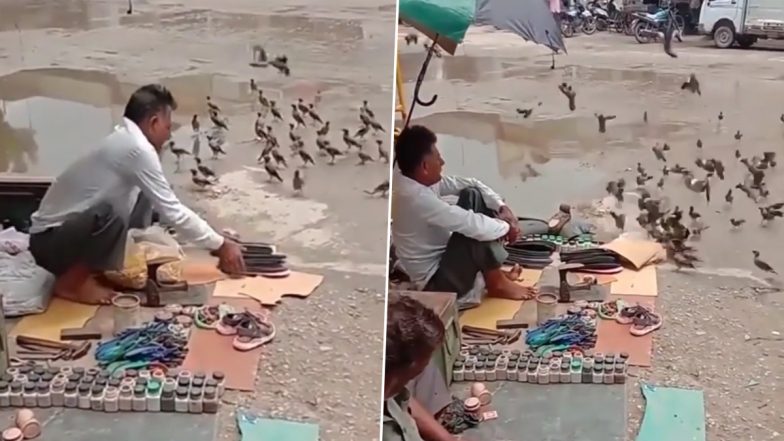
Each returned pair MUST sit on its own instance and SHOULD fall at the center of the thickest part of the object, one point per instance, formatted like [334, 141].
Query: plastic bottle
[210, 400]
[125, 400]
[490, 370]
[139, 403]
[220, 377]
[195, 403]
[587, 370]
[71, 397]
[468, 371]
[458, 372]
[154, 396]
[598, 369]
[181, 400]
[58, 391]
[479, 371]
[111, 399]
[96, 398]
[83, 401]
[29, 396]
[43, 395]
[15, 394]
[167, 395]
[566, 375]
[5, 394]
[543, 375]
[608, 376]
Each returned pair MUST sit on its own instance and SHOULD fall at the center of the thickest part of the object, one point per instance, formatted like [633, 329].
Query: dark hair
[147, 101]
[411, 147]
[414, 331]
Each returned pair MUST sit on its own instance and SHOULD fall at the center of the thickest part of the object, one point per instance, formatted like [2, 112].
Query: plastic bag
[134, 272]
[13, 241]
[25, 286]
[159, 247]
[170, 273]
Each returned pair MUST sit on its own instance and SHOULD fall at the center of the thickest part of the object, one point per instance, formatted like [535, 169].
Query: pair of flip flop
[642, 318]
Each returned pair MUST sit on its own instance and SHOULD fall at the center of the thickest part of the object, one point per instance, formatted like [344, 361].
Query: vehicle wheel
[589, 26]
[640, 33]
[602, 24]
[724, 36]
[628, 27]
[566, 29]
[746, 42]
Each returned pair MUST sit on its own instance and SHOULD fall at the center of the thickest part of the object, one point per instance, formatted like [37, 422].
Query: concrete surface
[722, 324]
[82, 58]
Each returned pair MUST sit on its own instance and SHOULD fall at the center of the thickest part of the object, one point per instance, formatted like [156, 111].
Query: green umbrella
[444, 21]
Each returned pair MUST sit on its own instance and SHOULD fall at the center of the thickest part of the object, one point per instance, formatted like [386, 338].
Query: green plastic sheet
[448, 19]
[255, 428]
[672, 414]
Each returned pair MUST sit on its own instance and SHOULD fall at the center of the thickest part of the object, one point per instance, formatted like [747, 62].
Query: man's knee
[470, 198]
[106, 220]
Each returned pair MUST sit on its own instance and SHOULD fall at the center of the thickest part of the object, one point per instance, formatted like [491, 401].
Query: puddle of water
[49, 117]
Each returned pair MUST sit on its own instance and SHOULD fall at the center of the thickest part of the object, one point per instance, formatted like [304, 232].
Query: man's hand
[230, 259]
[506, 215]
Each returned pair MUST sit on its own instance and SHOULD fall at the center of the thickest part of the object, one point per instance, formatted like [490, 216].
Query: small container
[78, 371]
[92, 372]
[576, 371]
[83, 399]
[125, 400]
[128, 381]
[5, 394]
[15, 394]
[500, 369]
[111, 399]
[210, 402]
[566, 375]
[74, 378]
[126, 312]
[479, 371]
[87, 379]
[608, 376]
[472, 406]
[12, 434]
[184, 382]
[543, 374]
[167, 395]
[181, 400]
[139, 403]
[96, 398]
[490, 371]
[144, 373]
[197, 383]
[533, 373]
[66, 370]
[43, 395]
[619, 376]
[468, 371]
[47, 377]
[220, 377]
[195, 402]
[545, 307]
[71, 396]
[511, 371]
[101, 381]
[114, 382]
[458, 372]
[29, 396]
[141, 381]
[153, 396]
[597, 374]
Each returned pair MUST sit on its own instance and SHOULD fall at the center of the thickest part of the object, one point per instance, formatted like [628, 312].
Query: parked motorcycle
[577, 19]
[600, 15]
[651, 27]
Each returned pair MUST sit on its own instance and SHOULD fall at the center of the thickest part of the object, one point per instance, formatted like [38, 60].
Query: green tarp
[449, 19]
[672, 414]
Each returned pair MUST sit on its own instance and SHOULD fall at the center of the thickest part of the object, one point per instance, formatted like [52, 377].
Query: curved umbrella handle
[420, 80]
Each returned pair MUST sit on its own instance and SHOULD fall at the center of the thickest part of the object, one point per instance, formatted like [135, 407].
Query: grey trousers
[464, 257]
[430, 389]
[95, 237]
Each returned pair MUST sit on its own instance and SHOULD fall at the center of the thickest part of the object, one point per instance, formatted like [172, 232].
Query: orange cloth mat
[611, 336]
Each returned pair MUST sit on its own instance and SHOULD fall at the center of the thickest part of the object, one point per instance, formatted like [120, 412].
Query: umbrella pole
[419, 81]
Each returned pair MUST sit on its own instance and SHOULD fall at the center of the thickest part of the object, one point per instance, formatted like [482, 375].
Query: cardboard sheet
[61, 314]
[614, 337]
[269, 291]
[636, 283]
[198, 271]
[638, 253]
[209, 351]
[490, 311]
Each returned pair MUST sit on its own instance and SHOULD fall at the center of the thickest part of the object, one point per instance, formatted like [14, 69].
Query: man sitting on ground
[445, 247]
[80, 229]
[414, 331]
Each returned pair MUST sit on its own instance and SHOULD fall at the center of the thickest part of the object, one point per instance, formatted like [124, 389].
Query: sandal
[645, 322]
[627, 314]
[228, 323]
[253, 332]
[609, 310]
[208, 317]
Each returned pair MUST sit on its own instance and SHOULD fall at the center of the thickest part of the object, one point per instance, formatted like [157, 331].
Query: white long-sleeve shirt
[116, 170]
[422, 221]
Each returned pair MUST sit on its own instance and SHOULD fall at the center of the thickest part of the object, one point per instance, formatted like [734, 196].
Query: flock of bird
[667, 225]
[270, 115]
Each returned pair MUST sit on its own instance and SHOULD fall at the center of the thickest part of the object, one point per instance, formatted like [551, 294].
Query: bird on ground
[737, 222]
[728, 197]
[620, 220]
[178, 153]
[738, 135]
[253, 86]
[364, 158]
[721, 116]
[216, 145]
[305, 156]
[570, 94]
[603, 121]
[281, 63]
[698, 185]
[212, 107]
[302, 107]
[271, 170]
[324, 130]
[313, 115]
[296, 116]
[332, 152]
[217, 121]
[298, 182]
[645, 117]
[204, 170]
[279, 159]
[699, 143]
[263, 100]
[525, 112]
[759, 263]
[659, 153]
[693, 213]
[199, 180]
[411, 39]
[195, 123]
[365, 110]
[382, 188]
[275, 112]
[350, 142]
[692, 85]
[362, 132]
[382, 152]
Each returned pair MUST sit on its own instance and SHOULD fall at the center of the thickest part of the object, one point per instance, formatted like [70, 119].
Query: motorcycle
[600, 15]
[650, 27]
[577, 19]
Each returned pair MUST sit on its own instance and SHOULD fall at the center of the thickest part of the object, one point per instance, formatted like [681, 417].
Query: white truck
[742, 21]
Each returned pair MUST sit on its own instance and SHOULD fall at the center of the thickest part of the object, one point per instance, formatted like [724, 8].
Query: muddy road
[66, 72]
[719, 333]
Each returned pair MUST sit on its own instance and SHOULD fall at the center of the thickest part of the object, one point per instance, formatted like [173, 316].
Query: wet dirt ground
[719, 333]
[66, 72]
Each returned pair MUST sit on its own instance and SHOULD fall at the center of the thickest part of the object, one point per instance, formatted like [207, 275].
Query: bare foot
[90, 292]
[514, 273]
[507, 289]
